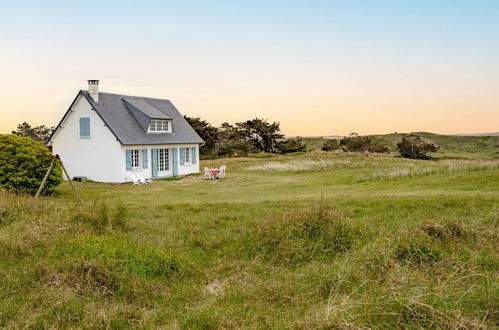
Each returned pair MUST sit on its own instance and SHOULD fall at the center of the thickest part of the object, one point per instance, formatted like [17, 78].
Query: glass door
[163, 163]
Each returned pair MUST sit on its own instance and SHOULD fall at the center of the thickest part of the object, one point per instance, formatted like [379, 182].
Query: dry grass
[414, 170]
[317, 165]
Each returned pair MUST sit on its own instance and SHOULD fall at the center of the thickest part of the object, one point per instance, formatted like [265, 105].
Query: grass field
[319, 240]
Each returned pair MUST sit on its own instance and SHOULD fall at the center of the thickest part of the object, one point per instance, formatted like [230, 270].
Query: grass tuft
[303, 235]
[120, 255]
[102, 219]
[418, 250]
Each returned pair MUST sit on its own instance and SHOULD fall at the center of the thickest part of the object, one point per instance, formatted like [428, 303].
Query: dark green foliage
[233, 141]
[291, 145]
[37, 133]
[330, 145]
[262, 134]
[255, 135]
[414, 146]
[206, 131]
[355, 142]
[116, 254]
[23, 164]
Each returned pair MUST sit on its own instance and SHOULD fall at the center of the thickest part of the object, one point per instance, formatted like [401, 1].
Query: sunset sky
[317, 67]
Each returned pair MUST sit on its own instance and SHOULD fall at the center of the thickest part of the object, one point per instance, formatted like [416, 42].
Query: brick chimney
[93, 89]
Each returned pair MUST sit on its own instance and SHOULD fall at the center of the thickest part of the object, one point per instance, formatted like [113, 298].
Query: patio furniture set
[214, 173]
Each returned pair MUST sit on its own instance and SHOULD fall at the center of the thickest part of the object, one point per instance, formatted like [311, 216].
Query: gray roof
[128, 118]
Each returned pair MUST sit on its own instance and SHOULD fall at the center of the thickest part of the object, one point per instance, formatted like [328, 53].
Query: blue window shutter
[182, 156]
[85, 127]
[154, 157]
[194, 155]
[175, 161]
[128, 159]
[144, 158]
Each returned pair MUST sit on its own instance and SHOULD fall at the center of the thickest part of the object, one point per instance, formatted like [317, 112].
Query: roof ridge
[143, 97]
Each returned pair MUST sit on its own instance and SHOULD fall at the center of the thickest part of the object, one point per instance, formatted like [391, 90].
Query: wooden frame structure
[56, 157]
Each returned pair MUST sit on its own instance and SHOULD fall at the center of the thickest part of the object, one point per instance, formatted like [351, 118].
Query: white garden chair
[207, 174]
[143, 180]
[221, 174]
[135, 180]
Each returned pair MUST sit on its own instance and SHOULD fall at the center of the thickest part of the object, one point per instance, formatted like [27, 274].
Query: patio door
[163, 162]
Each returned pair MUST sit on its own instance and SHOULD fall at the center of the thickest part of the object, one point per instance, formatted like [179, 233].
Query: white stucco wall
[98, 157]
[147, 173]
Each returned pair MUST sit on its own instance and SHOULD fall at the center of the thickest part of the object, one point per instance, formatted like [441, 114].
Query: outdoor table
[214, 172]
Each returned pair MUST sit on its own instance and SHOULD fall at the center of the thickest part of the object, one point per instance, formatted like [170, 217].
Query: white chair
[143, 180]
[207, 174]
[135, 180]
[221, 174]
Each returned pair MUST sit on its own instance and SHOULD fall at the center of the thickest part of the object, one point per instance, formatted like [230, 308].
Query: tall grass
[246, 255]
[414, 170]
[312, 165]
[302, 235]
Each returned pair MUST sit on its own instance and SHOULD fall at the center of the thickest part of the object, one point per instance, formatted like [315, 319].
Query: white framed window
[187, 155]
[159, 126]
[135, 159]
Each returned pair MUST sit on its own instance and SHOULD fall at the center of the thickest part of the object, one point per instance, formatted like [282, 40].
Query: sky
[318, 67]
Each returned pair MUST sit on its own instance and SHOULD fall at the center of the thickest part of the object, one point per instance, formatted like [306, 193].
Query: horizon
[321, 68]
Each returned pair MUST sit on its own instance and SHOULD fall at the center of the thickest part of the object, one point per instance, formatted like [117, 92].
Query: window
[135, 159]
[84, 127]
[187, 155]
[163, 160]
[159, 126]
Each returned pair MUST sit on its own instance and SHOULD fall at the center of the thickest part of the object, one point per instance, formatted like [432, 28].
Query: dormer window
[159, 126]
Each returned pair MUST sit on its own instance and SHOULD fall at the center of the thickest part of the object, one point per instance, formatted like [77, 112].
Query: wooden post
[45, 177]
[69, 180]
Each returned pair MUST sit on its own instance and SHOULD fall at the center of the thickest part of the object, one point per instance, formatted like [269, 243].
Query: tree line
[250, 136]
[259, 135]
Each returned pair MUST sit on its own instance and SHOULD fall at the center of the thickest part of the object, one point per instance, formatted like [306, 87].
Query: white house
[107, 137]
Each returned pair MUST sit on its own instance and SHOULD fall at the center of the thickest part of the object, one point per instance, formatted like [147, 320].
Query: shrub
[291, 145]
[23, 164]
[414, 146]
[330, 145]
[355, 142]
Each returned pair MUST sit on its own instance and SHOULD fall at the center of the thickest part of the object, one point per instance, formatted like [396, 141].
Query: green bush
[291, 145]
[355, 142]
[330, 145]
[414, 146]
[23, 164]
